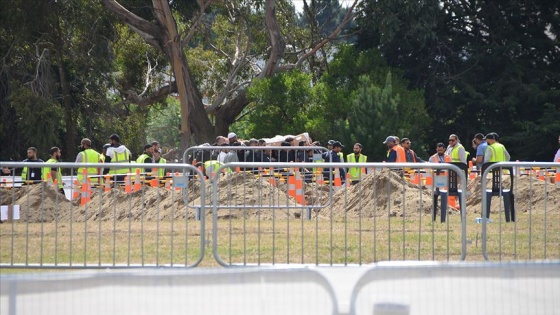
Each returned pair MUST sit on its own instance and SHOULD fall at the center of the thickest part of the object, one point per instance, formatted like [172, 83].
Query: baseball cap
[231, 135]
[115, 137]
[389, 138]
[147, 146]
[331, 142]
[338, 144]
[479, 136]
[490, 136]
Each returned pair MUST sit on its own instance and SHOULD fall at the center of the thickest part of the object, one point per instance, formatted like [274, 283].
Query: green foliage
[485, 66]
[359, 86]
[376, 107]
[163, 122]
[279, 105]
[38, 120]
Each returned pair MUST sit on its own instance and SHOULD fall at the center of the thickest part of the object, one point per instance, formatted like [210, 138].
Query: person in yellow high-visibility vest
[33, 173]
[117, 153]
[159, 160]
[356, 157]
[55, 172]
[87, 155]
[456, 150]
[146, 157]
[495, 152]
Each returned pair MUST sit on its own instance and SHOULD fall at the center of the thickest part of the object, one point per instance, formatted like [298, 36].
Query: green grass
[266, 241]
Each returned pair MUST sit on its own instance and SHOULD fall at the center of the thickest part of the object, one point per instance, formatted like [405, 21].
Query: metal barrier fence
[139, 217]
[279, 213]
[157, 291]
[204, 156]
[304, 213]
[470, 288]
[526, 225]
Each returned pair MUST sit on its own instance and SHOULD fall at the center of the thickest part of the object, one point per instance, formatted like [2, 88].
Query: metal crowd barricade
[526, 215]
[264, 219]
[202, 291]
[200, 154]
[135, 219]
[467, 288]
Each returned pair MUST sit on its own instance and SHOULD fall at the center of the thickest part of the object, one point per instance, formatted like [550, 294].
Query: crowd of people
[488, 149]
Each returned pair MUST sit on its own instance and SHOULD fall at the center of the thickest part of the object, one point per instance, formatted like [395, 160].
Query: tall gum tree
[227, 104]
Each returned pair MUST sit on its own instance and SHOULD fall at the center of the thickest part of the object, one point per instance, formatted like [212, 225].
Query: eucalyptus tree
[243, 40]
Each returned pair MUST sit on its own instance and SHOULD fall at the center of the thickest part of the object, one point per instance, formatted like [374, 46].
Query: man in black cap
[335, 158]
[481, 146]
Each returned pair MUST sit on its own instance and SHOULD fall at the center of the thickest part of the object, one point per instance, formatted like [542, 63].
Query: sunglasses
[451, 140]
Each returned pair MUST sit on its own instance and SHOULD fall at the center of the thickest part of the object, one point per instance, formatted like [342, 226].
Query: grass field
[253, 241]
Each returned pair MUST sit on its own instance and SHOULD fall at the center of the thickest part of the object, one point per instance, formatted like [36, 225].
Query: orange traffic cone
[127, 185]
[337, 180]
[452, 202]
[168, 183]
[348, 180]
[107, 182]
[557, 177]
[154, 182]
[300, 197]
[319, 179]
[137, 183]
[292, 185]
[86, 193]
[415, 179]
[75, 190]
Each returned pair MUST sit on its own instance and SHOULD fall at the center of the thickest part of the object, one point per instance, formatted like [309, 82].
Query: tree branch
[347, 18]
[203, 6]
[278, 45]
[146, 29]
[159, 95]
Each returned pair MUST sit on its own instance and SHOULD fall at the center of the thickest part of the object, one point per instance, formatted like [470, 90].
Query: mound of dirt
[243, 194]
[529, 193]
[379, 194]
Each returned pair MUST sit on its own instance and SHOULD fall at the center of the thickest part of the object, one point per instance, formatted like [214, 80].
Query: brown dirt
[378, 194]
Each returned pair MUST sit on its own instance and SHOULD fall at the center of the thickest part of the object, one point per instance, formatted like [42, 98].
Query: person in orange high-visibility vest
[396, 152]
[440, 156]
[411, 156]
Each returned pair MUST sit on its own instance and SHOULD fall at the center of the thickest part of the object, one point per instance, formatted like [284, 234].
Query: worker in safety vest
[87, 155]
[495, 152]
[356, 157]
[159, 160]
[456, 150]
[411, 156]
[33, 173]
[395, 152]
[146, 157]
[440, 156]
[117, 153]
[54, 172]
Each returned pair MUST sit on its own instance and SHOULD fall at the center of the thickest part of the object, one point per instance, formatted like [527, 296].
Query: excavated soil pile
[242, 194]
[529, 194]
[379, 194]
